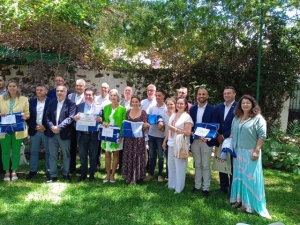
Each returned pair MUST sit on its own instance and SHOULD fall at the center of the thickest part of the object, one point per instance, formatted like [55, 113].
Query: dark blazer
[32, 120]
[65, 119]
[52, 93]
[72, 98]
[94, 135]
[225, 126]
[208, 117]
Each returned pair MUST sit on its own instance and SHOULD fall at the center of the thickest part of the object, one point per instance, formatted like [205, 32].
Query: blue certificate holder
[12, 123]
[112, 133]
[132, 129]
[212, 127]
[154, 119]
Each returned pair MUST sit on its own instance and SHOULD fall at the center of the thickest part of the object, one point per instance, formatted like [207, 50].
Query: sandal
[236, 205]
[7, 177]
[14, 176]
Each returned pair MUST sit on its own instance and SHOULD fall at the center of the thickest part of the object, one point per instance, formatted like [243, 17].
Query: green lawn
[36, 202]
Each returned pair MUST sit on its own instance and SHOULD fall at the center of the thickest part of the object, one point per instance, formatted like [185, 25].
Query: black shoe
[195, 190]
[92, 177]
[48, 175]
[30, 175]
[221, 191]
[67, 178]
[51, 180]
[205, 194]
[81, 178]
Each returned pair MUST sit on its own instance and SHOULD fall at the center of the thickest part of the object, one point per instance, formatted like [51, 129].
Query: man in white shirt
[127, 96]
[156, 136]
[77, 98]
[103, 100]
[150, 100]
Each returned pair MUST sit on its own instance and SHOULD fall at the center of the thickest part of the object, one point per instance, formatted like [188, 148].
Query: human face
[88, 96]
[182, 93]
[159, 97]
[135, 103]
[79, 88]
[202, 96]
[59, 81]
[12, 88]
[113, 97]
[229, 95]
[246, 105]
[171, 106]
[127, 92]
[150, 92]
[180, 105]
[61, 93]
[40, 91]
[104, 90]
[2, 83]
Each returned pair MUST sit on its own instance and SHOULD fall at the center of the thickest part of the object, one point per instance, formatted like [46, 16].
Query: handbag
[183, 146]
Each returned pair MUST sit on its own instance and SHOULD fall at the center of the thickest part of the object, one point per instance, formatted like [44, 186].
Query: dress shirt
[200, 113]
[227, 108]
[58, 109]
[78, 98]
[40, 111]
[146, 104]
[3, 92]
[103, 101]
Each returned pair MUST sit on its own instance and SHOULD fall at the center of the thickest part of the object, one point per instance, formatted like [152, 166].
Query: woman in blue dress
[248, 131]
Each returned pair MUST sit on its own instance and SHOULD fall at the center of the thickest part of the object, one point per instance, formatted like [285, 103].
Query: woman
[179, 123]
[134, 164]
[113, 115]
[12, 102]
[248, 132]
[170, 102]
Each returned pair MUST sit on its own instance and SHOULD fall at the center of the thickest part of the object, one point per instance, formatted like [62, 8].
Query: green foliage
[281, 150]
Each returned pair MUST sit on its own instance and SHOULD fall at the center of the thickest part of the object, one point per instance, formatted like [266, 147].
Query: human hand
[55, 129]
[220, 139]
[255, 155]
[77, 117]
[98, 119]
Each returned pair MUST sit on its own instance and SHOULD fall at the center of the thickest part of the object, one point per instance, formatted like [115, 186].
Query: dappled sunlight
[48, 192]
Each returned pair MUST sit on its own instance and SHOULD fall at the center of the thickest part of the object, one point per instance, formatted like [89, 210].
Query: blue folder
[116, 134]
[213, 129]
[11, 128]
[154, 119]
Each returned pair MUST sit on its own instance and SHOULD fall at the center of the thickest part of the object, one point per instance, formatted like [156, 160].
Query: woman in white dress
[179, 123]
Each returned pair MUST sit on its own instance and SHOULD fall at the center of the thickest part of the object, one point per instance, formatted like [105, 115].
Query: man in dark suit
[37, 127]
[201, 147]
[77, 98]
[58, 81]
[88, 141]
[60, 115]
[225, 115]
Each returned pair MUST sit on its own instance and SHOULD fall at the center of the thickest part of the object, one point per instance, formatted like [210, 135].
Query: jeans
[35, 148]
[155, 149]
[88, 147]
[55, 143]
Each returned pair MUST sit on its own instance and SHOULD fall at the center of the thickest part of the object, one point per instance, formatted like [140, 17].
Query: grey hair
[115, 91]
[81, 81]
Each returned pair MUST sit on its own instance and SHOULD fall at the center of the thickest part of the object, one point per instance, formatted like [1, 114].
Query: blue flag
[154, 119]
[132, 129]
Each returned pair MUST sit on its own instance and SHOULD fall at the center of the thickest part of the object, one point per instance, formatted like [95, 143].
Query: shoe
[91, 177]
[51, 180]
[149, 178]
[195, 190]
[81, 178]
[105, 180]
[176, 192]
[236, 205]
[48, 174]
[160, 179]
[221, 191]
[7, 177]
[30, 175]
[67, 178]
[14, 176]
[112, 181]
[242, 208]
[206, 194]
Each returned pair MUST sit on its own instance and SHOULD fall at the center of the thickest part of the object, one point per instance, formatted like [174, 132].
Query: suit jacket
[32, 120]
[72, 98]
[65, 119]
[52, 93]
[21, 105]
[80, 108]
[225, 125]
[208, 117]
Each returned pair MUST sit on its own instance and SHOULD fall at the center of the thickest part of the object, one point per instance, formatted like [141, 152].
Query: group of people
[52, 116]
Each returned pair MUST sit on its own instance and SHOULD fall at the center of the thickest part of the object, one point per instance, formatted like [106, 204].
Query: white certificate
[201, 132]
[107, 132]
[86, 120]
[8, 119]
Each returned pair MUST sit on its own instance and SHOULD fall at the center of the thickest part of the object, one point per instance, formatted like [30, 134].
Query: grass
[34, 202]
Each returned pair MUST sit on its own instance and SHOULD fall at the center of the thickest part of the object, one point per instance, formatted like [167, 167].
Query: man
[150, 100]
[2, 92]
[103, 100]
[156, 136]
[59, 116]
[58, 82]
[77, 98]
[127, 96]
[88, 141]
[225, 115]
[182, 93]
[37, 128]
[201, 147]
